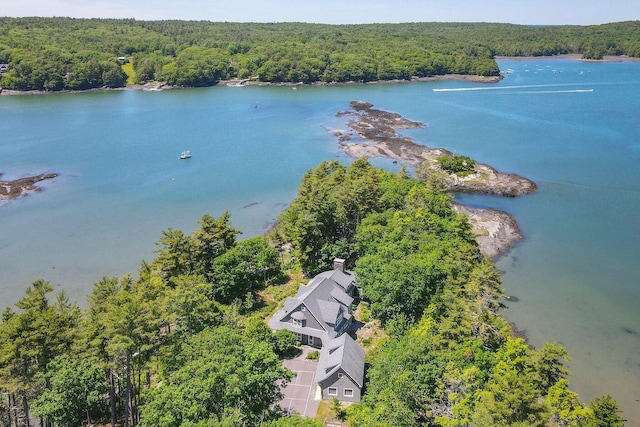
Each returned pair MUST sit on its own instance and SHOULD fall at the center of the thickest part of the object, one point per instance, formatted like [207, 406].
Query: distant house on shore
[319, 315]
[4, 68]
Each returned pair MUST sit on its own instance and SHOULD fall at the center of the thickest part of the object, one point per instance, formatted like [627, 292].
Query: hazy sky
[580, 12]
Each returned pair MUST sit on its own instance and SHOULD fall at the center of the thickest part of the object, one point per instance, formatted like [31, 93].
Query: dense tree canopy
[32, 337]
[60, 363]
[77, 389]
[224, 378]
[63, 53]
[332, 200]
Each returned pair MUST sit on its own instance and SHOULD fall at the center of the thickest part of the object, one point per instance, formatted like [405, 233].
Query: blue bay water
[570, 126]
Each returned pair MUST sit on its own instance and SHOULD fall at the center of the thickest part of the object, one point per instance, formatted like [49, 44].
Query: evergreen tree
[606, 412]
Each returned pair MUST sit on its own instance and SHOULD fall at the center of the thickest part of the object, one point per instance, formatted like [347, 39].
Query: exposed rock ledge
[376, 136]
[495, 231]
[22, 186]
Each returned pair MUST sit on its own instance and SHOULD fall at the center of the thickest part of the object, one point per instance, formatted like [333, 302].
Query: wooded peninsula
[53, 54]
[185, 343]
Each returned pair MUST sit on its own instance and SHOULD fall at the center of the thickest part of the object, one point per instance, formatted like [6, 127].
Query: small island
[22, 186]
[374, 134]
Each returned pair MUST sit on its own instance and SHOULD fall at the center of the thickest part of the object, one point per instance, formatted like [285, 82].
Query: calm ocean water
[570, 126]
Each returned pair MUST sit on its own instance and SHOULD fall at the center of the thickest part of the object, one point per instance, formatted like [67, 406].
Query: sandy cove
[374, 134]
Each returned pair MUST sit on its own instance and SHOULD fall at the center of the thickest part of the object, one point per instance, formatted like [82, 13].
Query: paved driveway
[300, 393]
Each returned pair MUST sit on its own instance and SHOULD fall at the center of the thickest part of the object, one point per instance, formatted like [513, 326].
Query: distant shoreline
[160, 86]
[153, 86]
[442, 77]
[572, 56]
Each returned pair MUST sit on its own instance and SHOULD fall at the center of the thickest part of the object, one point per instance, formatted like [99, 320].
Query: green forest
[52, 54]
[185, 343]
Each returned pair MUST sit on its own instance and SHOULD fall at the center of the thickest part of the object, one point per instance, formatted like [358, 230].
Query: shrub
[365, 314]
[314, 355]
[284, 343]
[460, 165]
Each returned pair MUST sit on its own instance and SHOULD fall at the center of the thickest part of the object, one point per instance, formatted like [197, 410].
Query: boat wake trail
[466, 89]
[555, 91]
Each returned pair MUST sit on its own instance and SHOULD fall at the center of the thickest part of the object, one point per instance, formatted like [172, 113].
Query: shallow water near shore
[568, 125]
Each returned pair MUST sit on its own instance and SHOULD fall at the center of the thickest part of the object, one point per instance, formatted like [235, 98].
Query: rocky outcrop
[495, 231]
[374, 133]
[22, 186]
[487, 180]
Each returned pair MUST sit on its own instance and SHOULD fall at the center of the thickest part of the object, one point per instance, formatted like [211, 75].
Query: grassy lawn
[324, 411]
[131, 73]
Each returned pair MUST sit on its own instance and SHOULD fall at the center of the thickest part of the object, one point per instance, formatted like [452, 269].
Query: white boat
[185, 154]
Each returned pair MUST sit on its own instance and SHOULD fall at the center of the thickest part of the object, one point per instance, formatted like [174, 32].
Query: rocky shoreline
[22, 186]
[151, 86]
[160, 86]
[376, 136]
[495, 231]
[459, 77]
[374, 133]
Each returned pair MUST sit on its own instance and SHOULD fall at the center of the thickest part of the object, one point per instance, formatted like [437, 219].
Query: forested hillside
[63, 53]
[185, 342]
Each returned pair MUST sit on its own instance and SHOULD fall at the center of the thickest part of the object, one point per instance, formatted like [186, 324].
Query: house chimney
[338, 264]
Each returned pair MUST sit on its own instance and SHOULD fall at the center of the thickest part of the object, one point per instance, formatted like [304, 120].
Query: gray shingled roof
[299, 315]
[324, 298]
[341, 278]
[322, 305]
[341, 353]
[329, 311]
[342, 297]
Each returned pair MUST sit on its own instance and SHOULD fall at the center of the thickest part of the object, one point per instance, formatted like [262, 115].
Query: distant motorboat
[185, 154]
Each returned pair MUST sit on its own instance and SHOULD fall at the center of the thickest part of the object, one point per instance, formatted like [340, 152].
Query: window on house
[297, 322]
[333, 391]
[340, 374]
[299, 337]
[348, 392]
